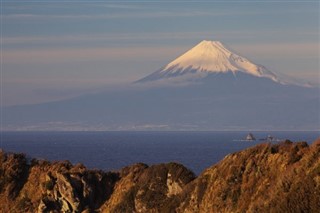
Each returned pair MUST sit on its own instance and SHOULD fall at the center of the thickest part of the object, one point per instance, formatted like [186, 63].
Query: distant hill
[281, 177]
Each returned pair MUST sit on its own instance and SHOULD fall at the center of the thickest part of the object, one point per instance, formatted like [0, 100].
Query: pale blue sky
[58, 49]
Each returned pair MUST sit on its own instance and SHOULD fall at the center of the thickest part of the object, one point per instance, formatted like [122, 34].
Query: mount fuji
[209, 87]
[207, 58]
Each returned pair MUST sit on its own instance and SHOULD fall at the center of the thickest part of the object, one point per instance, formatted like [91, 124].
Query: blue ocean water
[114, 150]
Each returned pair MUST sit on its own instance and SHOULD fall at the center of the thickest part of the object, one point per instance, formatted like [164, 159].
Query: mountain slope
[220, 102]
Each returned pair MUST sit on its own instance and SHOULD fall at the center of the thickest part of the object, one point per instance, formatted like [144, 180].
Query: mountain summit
[209, 57]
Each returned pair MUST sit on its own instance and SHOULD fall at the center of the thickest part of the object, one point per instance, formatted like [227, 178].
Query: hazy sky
[53, 49]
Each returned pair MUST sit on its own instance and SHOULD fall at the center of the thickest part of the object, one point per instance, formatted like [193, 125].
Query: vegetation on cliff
[282, 177]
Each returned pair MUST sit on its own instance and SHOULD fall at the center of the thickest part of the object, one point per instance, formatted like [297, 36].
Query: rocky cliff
[282, 177]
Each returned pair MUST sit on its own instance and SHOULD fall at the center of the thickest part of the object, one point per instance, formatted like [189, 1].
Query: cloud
[121, 6]
[151, 36]
[52, 55]
[134, 14]
[105, 37]
[56, 5]
[304, 49]
[285, 50]
[116, 10]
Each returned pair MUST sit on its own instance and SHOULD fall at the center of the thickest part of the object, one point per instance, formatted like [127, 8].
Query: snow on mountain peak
[213, 56]
[210, 57]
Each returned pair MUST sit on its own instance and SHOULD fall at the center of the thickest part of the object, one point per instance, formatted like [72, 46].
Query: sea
[113, 150]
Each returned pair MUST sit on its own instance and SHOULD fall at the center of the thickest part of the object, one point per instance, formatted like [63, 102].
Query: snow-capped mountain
[227, 92]
[209, 57]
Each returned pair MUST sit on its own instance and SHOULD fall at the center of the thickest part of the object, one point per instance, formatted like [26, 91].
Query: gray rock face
[66, 194]
[78, 191]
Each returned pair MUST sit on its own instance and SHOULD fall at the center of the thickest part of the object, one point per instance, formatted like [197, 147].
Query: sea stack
[250, 137]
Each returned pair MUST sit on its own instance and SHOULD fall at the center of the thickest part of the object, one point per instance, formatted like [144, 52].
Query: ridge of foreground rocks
[282, 177]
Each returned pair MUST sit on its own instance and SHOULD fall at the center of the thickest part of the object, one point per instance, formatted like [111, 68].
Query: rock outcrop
[148, 189]
[266, 178]
[282, 177]
[57, 187]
